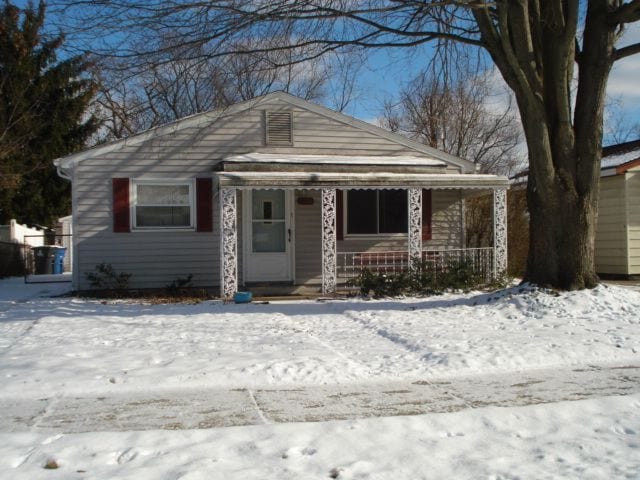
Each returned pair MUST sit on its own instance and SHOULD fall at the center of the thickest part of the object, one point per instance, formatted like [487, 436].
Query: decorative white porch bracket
[328, 240]
[228, 243]
[415, 225]
[499, 231]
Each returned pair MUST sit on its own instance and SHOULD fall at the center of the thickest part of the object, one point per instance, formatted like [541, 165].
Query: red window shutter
[121, 205]
[204, 207]
[426, 214]
[339, 215]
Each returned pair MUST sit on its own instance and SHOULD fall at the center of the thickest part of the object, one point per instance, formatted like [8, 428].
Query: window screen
[163, 205]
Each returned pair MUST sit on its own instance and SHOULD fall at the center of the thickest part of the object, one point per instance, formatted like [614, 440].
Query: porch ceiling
[313, 180]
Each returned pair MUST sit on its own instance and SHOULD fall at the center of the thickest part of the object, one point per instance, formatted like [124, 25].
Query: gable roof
[207, 117]
[617, 159]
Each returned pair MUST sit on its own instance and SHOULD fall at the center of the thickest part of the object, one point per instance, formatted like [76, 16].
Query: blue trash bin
[58, 259]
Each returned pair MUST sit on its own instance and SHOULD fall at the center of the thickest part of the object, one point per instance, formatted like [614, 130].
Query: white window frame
[161, 182]
[365, 236]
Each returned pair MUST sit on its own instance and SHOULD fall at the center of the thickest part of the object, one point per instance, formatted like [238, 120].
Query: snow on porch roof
[307, 180]
[403, 160]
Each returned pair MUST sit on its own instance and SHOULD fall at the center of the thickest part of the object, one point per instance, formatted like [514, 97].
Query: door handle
[289, 233]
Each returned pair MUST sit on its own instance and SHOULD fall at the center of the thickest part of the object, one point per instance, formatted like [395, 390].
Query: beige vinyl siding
[308, 238]
[611, 236]
[633, 219]
[157, 258]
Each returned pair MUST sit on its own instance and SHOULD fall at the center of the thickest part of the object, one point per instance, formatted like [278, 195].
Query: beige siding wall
[308, 238]
[633, 218]
[611, 236]
[157, 258]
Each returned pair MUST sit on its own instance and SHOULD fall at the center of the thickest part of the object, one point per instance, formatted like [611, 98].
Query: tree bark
[562, 234]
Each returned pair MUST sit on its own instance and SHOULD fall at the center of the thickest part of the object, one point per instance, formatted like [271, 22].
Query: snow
[590, 439]
[55, 350]
[271, 158]
[611, 161]
[79, 346]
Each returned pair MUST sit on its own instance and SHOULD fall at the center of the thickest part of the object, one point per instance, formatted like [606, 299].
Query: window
[373, 212]
[158, 204]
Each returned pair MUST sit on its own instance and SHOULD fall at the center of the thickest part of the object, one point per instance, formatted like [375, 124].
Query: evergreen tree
[42, 116]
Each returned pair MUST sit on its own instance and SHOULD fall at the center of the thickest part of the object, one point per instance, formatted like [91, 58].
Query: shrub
[423, 279]
[179, 286]
[106, 278]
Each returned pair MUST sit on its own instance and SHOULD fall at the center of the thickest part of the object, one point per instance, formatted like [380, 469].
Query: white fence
[351, 264]
[16, 233]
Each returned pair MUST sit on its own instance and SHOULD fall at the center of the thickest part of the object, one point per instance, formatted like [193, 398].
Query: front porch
[334, 246]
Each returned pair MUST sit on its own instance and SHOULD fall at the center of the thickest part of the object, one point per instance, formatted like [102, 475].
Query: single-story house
[617, 246]
[274, 189]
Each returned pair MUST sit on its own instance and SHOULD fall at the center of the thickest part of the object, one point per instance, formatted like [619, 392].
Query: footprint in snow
[299, 452]
[127, 456]
[620, 430]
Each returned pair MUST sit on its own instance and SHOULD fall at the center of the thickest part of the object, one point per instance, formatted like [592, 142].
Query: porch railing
[351, 264]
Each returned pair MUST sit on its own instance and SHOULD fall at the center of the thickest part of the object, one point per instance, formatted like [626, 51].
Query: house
[617, 248]
[274, 189]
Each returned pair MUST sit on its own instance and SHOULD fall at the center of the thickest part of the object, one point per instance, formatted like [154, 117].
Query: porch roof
[370, 160]
[316, 180]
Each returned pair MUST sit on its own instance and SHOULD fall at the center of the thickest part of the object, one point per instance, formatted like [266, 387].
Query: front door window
[268, 221]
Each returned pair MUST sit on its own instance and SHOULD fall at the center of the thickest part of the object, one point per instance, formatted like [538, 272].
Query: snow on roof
[404, 160]
[615, 155]
[616, 160]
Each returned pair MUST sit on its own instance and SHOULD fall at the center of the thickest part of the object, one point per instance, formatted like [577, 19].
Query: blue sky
[388, 71]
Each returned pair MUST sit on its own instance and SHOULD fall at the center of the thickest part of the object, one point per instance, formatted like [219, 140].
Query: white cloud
[623, 81]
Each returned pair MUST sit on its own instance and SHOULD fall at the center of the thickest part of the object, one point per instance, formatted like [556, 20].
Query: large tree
[42, 116]
[555, 55]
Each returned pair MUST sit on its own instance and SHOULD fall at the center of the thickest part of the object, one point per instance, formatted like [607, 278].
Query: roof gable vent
[279, 128]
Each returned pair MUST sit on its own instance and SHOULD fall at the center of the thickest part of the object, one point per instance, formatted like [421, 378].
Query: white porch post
[328, 240]
[228, 243]
[415, 226]
[499, 231]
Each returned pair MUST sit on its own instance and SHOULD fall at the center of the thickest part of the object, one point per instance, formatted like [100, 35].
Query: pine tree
[42, 116]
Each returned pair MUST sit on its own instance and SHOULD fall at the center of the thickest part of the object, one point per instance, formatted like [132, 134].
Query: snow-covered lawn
[60, 347]
[71, 346]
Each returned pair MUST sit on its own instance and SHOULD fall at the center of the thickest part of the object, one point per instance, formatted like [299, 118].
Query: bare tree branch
[626, 13]
[626, 51]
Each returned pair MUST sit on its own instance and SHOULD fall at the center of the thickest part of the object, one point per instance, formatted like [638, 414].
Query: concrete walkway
[192, 409]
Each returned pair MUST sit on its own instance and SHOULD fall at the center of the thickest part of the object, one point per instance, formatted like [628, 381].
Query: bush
[107, 279]
[180, 286]
[424, 279]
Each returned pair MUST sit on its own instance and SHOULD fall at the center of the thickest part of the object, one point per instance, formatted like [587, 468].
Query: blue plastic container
[242, 297]
[58, 259]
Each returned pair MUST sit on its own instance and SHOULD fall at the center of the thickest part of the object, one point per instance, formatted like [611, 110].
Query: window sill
[162, 229]
[376, 236]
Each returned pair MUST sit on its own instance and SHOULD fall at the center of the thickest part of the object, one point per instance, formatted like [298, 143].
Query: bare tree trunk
[562, 226]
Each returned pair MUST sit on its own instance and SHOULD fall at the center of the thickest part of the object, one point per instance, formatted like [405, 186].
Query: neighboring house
[274, 189]
[618, 232]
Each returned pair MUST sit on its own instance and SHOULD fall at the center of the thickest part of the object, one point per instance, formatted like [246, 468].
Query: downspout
[62, 173]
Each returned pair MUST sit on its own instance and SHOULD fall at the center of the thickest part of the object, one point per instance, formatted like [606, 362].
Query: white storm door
[268, 245]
